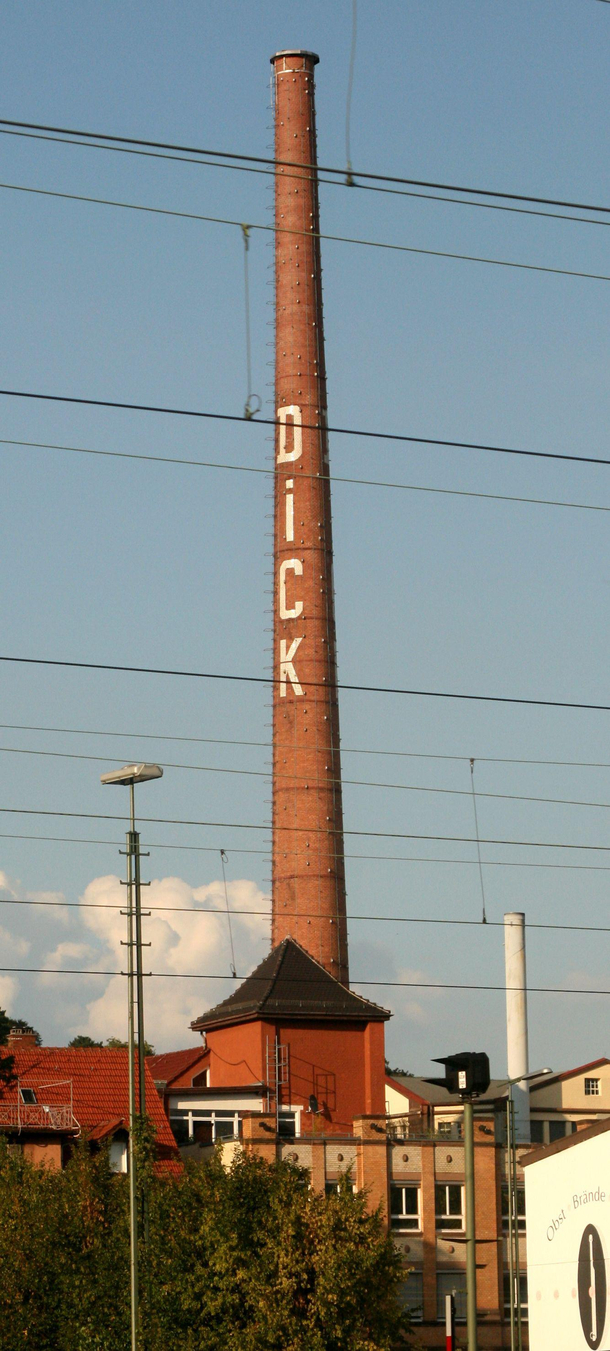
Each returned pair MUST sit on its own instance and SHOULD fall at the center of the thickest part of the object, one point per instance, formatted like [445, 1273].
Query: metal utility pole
[471, 1247]
[128, 776]
[133, 1209]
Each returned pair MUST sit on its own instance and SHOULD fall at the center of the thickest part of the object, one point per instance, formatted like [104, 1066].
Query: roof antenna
[223, 860]
[476, 827]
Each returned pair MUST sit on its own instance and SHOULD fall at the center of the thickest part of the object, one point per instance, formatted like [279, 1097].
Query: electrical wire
[266, 914]
[349, 178]
[368, 858]
[311, 684]
[476, 828]
[310, 830]
[338, 239]
[272, 422]
[264, 745]
[326, 182]
[330, 478]
[386, 984]
[291, 164]
[353, 783]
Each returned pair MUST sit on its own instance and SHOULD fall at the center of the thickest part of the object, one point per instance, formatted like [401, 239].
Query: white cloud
[189, 937]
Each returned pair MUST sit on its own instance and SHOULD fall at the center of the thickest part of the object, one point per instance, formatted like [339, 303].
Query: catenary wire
[386, 984]
[331, 478]
[353, 783]
[266, 914]
[264, 745]
[311, 830]
[311, 684]
[338, 239]
[368, 858]
[326, 182]
[273, 422]
[290, 164]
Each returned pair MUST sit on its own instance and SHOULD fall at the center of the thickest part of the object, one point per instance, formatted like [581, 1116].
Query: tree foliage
[247, 1259]
[84, 1043]
[7, 1062]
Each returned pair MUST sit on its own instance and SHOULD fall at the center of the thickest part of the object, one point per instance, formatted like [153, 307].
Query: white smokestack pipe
[516, 1019]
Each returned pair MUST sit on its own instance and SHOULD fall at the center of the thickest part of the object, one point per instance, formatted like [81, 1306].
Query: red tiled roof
[176, 1064]
[96, 1081]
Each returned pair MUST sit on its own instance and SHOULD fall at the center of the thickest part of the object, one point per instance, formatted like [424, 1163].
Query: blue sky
[126, 562]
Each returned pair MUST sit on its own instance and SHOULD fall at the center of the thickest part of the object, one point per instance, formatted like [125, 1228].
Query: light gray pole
[509, 1175]
[133, 1212]
[134, 845]
[471, 1254]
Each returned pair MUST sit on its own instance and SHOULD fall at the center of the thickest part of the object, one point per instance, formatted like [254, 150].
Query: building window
[451, 1283]
[287, 1125]
[520, 1208]
[411, 1295]
[592, 1088]
[334, 1188]
[449, 1205]
[203, 1127]
[449, 1130]
[28, 1096]
[537, 1132]
[404, 1206]
[558, 1129]
[522, 1291]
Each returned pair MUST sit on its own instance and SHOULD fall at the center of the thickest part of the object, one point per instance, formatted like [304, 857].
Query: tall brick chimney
[308, 870]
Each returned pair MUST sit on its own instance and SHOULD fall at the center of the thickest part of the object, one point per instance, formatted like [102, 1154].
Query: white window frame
[444, 1223]
[593, 1087]
[398, 1223]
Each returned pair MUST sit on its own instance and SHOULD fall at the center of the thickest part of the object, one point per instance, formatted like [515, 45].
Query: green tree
[7, 1062]
[115, 1044]
[83, 1042]
[247, 1259]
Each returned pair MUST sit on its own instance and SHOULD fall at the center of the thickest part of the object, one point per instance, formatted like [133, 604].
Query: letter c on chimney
[293, 565]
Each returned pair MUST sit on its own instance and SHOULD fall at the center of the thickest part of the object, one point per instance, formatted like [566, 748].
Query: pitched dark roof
[289, 983]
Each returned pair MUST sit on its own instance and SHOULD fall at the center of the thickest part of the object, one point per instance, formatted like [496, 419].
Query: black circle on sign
[592, 1286]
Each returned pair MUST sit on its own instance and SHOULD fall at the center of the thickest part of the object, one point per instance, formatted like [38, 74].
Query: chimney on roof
[20, 1041]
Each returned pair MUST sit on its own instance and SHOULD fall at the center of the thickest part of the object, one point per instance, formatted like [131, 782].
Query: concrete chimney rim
[295, 51]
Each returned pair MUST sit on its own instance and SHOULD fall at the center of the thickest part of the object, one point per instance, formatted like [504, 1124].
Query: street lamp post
[128, 776]
[516, 1325]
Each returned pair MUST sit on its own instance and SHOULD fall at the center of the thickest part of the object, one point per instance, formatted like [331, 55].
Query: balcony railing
[420, 1126]
[37, 1116]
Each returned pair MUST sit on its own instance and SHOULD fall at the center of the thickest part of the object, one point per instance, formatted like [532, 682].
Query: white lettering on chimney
[290, 411]
[290, 565]
[287, 670]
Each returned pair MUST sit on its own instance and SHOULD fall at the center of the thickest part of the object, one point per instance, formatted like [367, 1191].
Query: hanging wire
[476, 831]
[349, 178]
[250, 410]
[223, 860]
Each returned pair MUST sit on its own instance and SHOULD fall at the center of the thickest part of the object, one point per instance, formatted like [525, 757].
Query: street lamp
[128, 776]
[516, 1328]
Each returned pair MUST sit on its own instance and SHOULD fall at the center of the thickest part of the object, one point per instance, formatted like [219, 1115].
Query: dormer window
[28, 1096]
[593, 1088]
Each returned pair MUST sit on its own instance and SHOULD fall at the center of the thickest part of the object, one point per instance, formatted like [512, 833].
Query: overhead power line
[352, 783]
[386, 984]
[339, 239]
[307, 426]
[331, 478]
[306, 830]
[266, 914]
[314, 168]
[326, 182]
[265, 745]
[311, 684]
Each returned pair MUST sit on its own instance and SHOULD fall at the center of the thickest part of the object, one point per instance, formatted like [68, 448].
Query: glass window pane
[440, 1197]
[451, 1283]
[557, 1130]
[455, 1200]
[411, 1295]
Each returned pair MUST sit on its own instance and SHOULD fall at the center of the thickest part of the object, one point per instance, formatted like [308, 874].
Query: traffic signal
[466, 1073]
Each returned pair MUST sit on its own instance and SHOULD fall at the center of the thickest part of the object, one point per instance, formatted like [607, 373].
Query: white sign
[567, 1201]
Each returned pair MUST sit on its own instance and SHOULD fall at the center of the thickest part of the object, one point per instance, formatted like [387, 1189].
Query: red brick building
[60, 1093]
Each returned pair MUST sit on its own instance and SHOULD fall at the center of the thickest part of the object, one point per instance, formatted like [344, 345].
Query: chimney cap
[295, 51]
